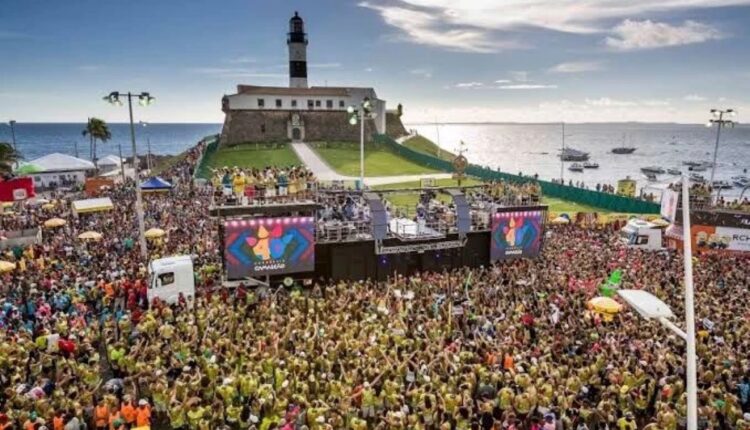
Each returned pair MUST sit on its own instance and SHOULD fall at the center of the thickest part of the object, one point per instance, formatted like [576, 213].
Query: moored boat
[570, 154]
[721, 185]
[623, 150]
[674, 171]
[590, 165]
[575, 167]
[697, 178]
[652, 169]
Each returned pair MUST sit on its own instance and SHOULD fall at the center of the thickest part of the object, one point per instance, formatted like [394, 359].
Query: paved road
[324, 172]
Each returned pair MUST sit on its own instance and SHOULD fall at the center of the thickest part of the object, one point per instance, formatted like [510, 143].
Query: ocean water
[37, 139]
[534, 148]
[527, 148]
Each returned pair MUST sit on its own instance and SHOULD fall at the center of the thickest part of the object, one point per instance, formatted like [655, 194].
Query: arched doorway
[296, 134]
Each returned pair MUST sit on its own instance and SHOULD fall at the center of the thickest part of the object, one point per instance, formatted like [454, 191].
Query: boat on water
[699, 168]
[576, 167]
[721, 185]
[653, 169]
[590, 165]
[623, 150]
[741, 180]
[697, 178]
[651, 177]
[674, 171]
[570, 154]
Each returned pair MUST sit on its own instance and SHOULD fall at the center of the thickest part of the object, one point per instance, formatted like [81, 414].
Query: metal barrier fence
[587, 197]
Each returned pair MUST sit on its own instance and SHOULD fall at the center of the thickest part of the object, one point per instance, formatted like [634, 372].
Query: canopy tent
[92, 205]
[109, 161]
[155, 184]
[61, 163]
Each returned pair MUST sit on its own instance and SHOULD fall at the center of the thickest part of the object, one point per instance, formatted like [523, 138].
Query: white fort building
[300, 112]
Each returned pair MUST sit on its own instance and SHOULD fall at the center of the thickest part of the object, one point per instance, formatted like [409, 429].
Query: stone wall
[394, 128]
[254, 126]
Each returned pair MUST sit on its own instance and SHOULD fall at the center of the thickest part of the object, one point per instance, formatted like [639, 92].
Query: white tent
[109, 161]
[62, 163]
[92, 205]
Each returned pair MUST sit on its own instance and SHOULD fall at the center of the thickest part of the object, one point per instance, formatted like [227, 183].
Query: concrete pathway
[324, 172]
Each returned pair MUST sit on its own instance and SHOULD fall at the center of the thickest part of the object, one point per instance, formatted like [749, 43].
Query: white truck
[641, 234]
[169, 277]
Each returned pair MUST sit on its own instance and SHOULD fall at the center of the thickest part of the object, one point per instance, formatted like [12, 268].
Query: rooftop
[286, 91]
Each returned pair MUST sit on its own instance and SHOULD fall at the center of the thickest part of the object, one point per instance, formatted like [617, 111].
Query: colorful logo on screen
[516, 234]
[269, 246]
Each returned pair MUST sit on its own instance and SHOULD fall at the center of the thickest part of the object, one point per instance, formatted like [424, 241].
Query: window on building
[329, 104]
[294, 103]
[261, 103]
[317, 103]
[310, 104]
[263, 128]
[342, 104]
[278, 103]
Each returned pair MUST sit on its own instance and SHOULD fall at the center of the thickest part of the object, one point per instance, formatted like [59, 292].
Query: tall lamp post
[360, 113]
[144, 99]
[144, 124]
[649, 306]
[718, 119]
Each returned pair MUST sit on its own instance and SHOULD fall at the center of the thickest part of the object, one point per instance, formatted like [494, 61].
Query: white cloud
[242, 60]
[632, 35]
[503, 81]
[234, 73]
[526, 87]
[324, 65]
[425, 73]
[577, 67]
[469, 85]
[609, 102]
[369, 69]
[473, 25]
[427, 28]
[694, 98]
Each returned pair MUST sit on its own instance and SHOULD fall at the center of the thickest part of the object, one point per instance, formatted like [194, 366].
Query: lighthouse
[297, 42]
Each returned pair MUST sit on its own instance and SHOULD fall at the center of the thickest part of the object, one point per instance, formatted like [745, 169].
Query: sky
[444, 60]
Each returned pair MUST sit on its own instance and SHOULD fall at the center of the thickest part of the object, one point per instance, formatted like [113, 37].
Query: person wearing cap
[627, 422]
[143, 413]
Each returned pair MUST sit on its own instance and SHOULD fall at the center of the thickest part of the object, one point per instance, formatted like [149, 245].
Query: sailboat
[623, 149]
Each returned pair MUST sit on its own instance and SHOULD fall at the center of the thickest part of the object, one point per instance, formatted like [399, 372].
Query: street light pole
[148, 145]
[720, 122]
[362, 150]
[692, 386]
[144, 99]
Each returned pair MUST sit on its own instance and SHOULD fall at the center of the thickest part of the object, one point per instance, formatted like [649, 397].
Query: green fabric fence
[610, 202]
[213, 144]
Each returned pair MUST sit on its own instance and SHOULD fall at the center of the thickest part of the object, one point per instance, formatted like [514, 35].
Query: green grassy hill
[250, 155]
[343, 157]
[426, 146]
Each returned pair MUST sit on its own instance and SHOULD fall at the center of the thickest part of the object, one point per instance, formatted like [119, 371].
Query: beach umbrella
[6, 204]
[48, 206]
[29, 169]
[604, 305]
[54, 222]
[6, 266]
[155, 233]
[661, 222]
[90, 235]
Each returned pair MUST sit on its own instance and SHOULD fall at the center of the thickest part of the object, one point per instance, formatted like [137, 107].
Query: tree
[8, 157]
[96, 129]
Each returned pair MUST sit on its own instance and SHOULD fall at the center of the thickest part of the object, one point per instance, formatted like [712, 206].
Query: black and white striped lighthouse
[297, 42]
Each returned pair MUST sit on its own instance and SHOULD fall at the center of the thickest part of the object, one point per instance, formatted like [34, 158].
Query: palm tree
[8, 157]
[96, 129]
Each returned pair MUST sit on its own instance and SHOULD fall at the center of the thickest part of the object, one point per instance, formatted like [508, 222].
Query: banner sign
[669, 199]
[269, 246]
[516, 234]
[734, 239]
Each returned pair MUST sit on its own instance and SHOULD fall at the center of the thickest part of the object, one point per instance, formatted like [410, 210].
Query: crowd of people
[266, 185]
[511, 346]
